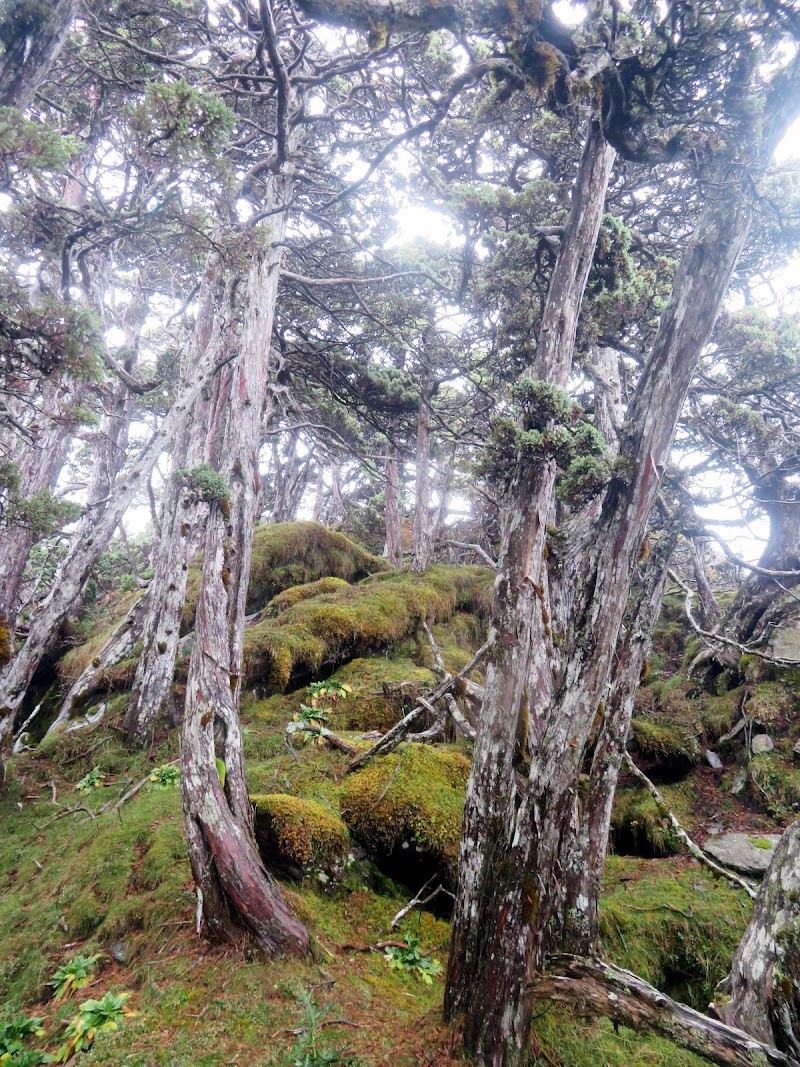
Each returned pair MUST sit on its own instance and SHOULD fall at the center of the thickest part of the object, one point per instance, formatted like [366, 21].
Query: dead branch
[393, 737]
[472, 548]
[419, 902]
[320, 731]
[595, 988]
[693, 848]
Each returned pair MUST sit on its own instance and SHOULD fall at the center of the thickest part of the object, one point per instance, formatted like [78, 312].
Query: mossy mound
[775, 783]
[672, 750]
[289, 597]
[300, 838]
[409, 816]
[638, 827]
[383, 691]
[288, 554]
[672, 923]
[331, 627]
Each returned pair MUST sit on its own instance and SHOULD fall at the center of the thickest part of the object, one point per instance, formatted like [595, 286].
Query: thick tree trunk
[33, 35]
[595, 988]
[487, 974]
[393, 550]
[237, 893]
[764, 983]
[422, 540]
[509, 882]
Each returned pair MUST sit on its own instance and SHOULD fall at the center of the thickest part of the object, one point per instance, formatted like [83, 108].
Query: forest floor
[81, 875]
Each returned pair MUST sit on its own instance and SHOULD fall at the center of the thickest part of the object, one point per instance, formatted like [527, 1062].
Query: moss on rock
[378, 612]
[300, 837]
[418, 804]
[662, 741]
[288, 554]
[383, 691]
[289, 597]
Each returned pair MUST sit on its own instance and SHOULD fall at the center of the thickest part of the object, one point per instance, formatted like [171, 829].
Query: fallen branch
[320, 731]
[473, 548]
[595, 988]
[419, 902]
[393, 737]
[465, 727]
[693, 848]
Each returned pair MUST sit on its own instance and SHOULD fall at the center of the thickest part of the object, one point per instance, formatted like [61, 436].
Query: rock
[300, 838]
[796, 750]
[713, 760]
[746, 853]
[739, 782]
[786, 643]
[119, 952]
[715, 828]
[761, 743]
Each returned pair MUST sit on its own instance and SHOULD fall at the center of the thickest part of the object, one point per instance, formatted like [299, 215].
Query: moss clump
[672, 923]
[419, 803]
[638, 827]
[288, 554]
[300, 837]
[383, 691]
[664, 742]
[774, 784]
[378, 612]
[289, 597]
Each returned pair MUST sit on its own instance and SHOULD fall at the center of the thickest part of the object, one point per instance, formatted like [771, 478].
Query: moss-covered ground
[78, 876]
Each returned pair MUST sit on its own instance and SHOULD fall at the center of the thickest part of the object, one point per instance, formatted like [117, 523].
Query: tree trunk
[593, 988]
[236, 891]
[33, 35]
[764, 982]
[182, 522]
[393, 551]
[509, 886]
[422, 540]
[96, 530]
[584, 853]
[710, 609]
[487, 974]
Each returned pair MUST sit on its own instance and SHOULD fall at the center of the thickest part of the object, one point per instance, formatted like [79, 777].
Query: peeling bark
[764, 983]
[595, 988]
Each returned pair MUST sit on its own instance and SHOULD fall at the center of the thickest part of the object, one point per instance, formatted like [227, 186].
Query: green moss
[419, 802]
[561, 1038]
[302, 834]
[775, 784]
[638, 826]
[289, 597]
[662, 741]
[672, 923]
[383, 691]
[374, 614]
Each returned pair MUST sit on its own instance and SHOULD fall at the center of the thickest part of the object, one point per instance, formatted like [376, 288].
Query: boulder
[713, 760]
[761, 743]
[300, 838]
[746, 853]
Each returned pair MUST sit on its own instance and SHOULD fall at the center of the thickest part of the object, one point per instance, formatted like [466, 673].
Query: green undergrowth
[376, 613]
[384, 690]
[561, 1038]
[672, 923]
[638, 826]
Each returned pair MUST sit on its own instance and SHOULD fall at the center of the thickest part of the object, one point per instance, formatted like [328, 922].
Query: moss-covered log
[596, 988]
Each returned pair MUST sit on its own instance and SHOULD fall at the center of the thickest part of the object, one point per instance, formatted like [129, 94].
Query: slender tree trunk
[33, 35]
[182, 521]
[711, 611]
[764, 983]
[422, 541]
[445, 491]
[236, 891]
[584, 853]
[393, 550]
[95, 531]
[39, 466]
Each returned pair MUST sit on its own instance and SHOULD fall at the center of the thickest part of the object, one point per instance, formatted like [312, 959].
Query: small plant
[166, 777]
[90, 781]
[13, 1036]
[73, 976]
[92, 1017]
[409, 958]
[321, 697]
[311, 1049]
